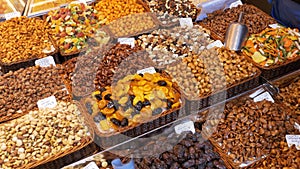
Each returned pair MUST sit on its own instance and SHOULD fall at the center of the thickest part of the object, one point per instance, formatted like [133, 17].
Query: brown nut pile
[132, 25]
[24, 38]
[282, 157]
[20, 90]
[178, 8]
[40, 135]
[255, 19]
[250, 130]
[211, 70]
[110, 62]
[166, 46]
[191, 152]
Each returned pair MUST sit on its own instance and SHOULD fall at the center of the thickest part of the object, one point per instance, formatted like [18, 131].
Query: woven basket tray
[278, 70]
[6, 67]
[86, 148]
[218, 36]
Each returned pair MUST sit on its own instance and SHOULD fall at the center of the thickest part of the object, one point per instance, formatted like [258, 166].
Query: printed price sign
[128, 41]
[186, 126]
[45, 62]
[12, 15]
[49, 102]
[264, 96]
[91, 165]
[150, 70]
[293, 139]
[186, 22]
[216, 43]
[235, 4]
[275, 26]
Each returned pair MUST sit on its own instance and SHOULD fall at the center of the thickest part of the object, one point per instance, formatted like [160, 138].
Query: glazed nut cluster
[250, 130]
[255, 19]
[24, 38]
[20, 90]
[166, 46]
[178, 8]
[134, 24]
[110, 62]
[110, 10]
[40, 135]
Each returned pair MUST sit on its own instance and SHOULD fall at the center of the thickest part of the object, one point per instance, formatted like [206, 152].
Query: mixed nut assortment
[23, 38]
[132, 100]
[41, 134]
[255, 19]
[73, 25]
[20, 90]
[110, 10]
[166, 46]
[132, 25]
[191, 152]
[176, 8]
[249, 130]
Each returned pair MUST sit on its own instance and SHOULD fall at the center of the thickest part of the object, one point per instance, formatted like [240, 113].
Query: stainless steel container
[236, 35]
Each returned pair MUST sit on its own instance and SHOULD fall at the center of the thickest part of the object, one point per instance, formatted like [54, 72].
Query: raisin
[169, 104]
[107, 97]
[115, 121]
[139, 106]
[98, 97]
[102, 89]
[146, 103]
[141, 75]
[124, 122]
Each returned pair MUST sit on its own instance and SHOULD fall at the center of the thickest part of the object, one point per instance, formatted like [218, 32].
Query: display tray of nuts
[133, 25]
[276, 51]
[249, 128]
[167, 46]
[75, 27]
[42, 136]
[22, 41]
[21, 90]
[254, 18]
[213, 73]
[134, 100]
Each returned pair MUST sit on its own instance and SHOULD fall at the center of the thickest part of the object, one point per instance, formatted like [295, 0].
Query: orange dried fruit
[108, 111]
[142, 82]
[147, 88]
[137, 118]
[148, 76]
[175, 105]
[102, 104]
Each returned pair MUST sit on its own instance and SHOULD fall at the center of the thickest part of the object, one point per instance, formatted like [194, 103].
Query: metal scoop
[236, 34]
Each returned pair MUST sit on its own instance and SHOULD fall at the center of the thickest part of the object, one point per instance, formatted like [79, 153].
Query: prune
[139, 106]
[169, 104]
[98, 97]
[157, 111]
[162, 83]
[141, 75]
[146, 103]
[124, 122]
[115, 121]
[107, 97]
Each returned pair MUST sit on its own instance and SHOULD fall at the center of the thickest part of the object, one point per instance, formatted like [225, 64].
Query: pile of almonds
[20, 90]
[41, 134]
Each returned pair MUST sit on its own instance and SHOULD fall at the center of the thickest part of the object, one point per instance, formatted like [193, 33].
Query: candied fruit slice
[104, 125]
[102, 104]
[107, 111]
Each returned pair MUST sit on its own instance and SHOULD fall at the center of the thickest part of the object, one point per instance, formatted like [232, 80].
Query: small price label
[293, 139]
[45, 62]
[257, 92]
[186, 126]
[49, 102]
[186, 22]
[91, 165]
[12, 15]
[150, 70]
[297, 126]
[275, 26]
[235, 4]
[264, 96]
[128, 41]
[216, 43]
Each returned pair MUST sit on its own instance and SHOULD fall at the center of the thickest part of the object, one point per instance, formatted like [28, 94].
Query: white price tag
[186, 22]
[128, 41]
[264, 96]
[235, 4]
[91, 165]
[216, 43]
[186, 126]
[275, 26]
[293, 139]
[150, 70]
[45, 62]
[49, 102]
[259, 91]
[12, 15]
[297, 126]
